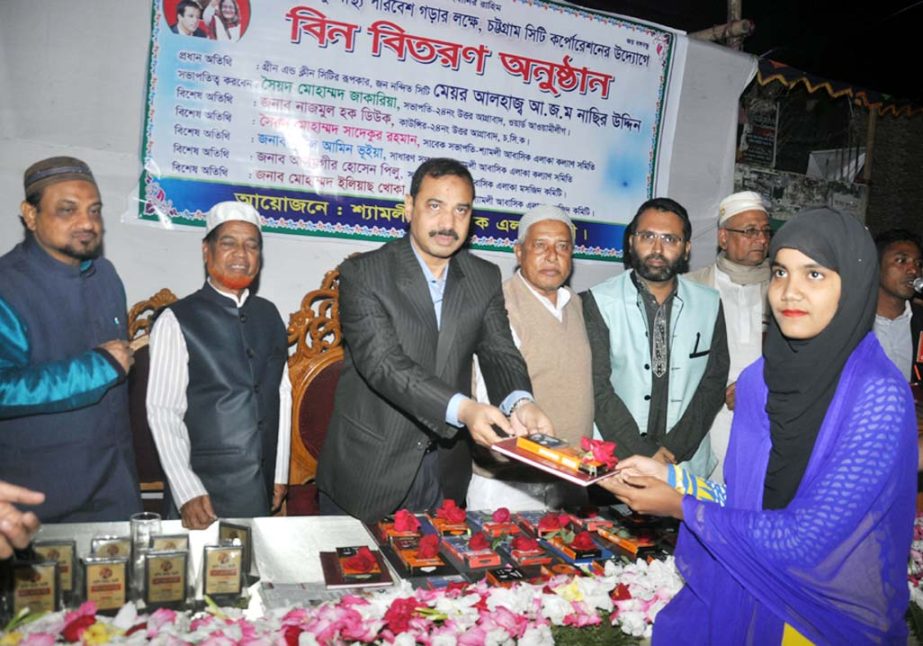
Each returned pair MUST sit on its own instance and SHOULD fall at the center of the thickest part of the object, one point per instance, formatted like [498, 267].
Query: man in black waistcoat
[219, 397]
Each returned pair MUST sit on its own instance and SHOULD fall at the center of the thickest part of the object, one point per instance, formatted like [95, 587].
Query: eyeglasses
[752, 233]
[648, 238]
[543, 246]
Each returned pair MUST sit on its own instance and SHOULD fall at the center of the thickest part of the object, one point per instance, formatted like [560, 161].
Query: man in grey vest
[546, 319]
[660, 357]
[219, 397]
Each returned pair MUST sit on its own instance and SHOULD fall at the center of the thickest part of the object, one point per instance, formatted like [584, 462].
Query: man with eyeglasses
[899, 322]
[546, 319]
[740, 273]
[659, 346]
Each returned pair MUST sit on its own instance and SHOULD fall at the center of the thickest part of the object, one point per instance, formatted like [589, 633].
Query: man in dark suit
[414, 312]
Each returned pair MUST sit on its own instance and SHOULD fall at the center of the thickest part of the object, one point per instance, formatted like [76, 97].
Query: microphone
[918, 285]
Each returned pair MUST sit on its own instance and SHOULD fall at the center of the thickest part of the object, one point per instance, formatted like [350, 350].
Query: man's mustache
[444, 232]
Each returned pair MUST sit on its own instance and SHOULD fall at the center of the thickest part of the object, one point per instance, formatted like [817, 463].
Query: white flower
[517, 599]
[443, 639]
[126, 617]
[916, 595]
[634, 624]
[498, 637]
[307, 639]
[537, 636]
[596, 592]
[555, 608]
[404, 639]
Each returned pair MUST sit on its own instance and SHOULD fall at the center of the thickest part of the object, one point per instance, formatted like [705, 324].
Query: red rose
[74, 630]
[502, 515]
[600, 450]
[451, 512]
[525, 544]
[429, 547]
[549, 522]
[478, 542]
[290, 634]
[620, 593]
[553, 521]
[363, 561]
[399, 614]
[404, 521]
[583, 541]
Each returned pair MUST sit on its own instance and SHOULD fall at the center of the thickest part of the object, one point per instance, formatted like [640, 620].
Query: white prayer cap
[738, 203]
[229, 211]
[540, 213]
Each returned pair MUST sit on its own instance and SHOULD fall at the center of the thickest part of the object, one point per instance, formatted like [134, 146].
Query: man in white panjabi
[740, 273]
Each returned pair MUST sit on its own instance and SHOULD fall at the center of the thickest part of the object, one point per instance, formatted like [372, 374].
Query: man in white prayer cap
[740, 273]
[546, 319]
[219, 396]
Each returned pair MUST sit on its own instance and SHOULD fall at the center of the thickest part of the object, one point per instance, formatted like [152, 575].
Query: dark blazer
[400, 372]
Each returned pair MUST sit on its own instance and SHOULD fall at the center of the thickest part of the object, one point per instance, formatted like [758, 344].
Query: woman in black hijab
[813, 537]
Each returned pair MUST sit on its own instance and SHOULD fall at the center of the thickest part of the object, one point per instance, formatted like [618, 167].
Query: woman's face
[228, 9]
[804, 295]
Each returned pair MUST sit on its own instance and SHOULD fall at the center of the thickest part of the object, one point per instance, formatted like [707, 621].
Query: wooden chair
[314, 369]
[150, 473]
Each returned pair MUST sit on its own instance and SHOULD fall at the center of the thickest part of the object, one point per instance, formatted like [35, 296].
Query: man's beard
[83, 252]
[236, 282]
[657, 274]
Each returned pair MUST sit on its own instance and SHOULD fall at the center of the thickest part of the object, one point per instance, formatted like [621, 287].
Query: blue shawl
[833, 562]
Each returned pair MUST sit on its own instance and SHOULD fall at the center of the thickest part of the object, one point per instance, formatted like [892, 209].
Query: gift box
[505, 577]
[562, 453]
[634, 543]
[446, 527]
[589, 519]
[523, 557]
[555, 569]
[458, 547]
[449, 519]
[407, 550]
[352, 566]
[484, 520]
[573, 552]
[390, 528]
[531, 521]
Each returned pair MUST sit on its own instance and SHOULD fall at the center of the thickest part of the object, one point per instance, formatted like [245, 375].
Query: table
[286, 551]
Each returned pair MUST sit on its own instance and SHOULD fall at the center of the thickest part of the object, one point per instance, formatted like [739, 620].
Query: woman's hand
[645, 494]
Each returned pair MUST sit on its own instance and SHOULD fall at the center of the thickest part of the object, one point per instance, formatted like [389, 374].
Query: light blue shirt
[436, 293]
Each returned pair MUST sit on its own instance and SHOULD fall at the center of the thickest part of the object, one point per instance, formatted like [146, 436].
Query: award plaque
[64, 552]
[231, 534]
[170, 543]
[105, 581]
[111, 546]
[36, 587]
[165, 579]
[223, 571]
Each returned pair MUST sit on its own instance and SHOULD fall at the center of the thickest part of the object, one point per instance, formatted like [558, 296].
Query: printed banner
[317, 113]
